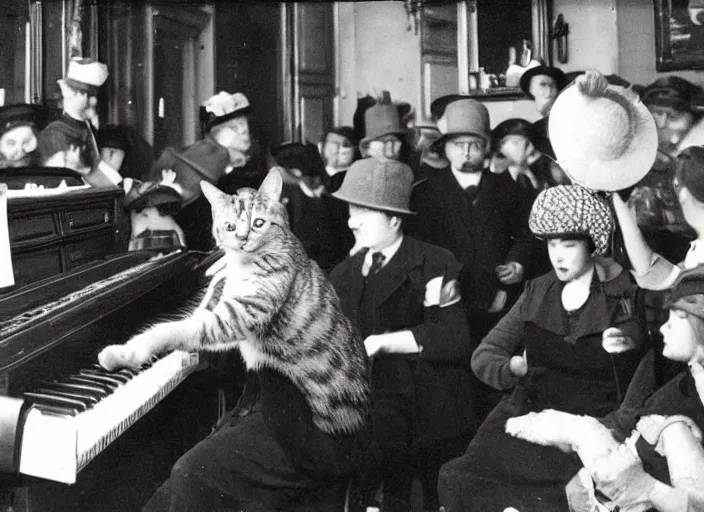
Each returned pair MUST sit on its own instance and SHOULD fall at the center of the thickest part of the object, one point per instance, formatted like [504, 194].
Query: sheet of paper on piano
[34, 190]
[7, 277]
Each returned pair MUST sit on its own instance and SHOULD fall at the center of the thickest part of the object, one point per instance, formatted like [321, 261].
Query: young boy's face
[517, 149]
[679, 337]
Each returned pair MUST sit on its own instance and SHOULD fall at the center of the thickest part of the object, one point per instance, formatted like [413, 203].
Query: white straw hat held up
[604, 138]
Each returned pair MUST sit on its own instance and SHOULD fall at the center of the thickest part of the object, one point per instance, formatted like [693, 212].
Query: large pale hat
[85, 75]
[603, 136]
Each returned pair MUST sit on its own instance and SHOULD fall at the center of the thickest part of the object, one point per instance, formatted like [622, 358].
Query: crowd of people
[493, 273]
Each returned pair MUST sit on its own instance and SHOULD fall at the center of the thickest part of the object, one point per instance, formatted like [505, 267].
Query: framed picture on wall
[679, 34]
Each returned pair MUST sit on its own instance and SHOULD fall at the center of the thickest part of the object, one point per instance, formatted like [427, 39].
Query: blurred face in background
[233, 134]
[17, 143]
[517, 149]
[672, 125]
[466, 153]
[338, 151]
[544, 89]
[386, 147]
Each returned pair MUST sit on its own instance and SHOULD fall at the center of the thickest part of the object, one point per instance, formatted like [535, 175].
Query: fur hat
[382, 119]
[687, 293]
[384, 186]
[304, 157]
[85, 75]
[603, 137]
[555, 73]
[20, 114]
[571, 210]
[223, 107]
[463, 117]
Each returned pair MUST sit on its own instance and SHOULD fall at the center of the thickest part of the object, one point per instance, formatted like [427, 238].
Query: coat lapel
[395, 273]
[485, 203]
[355, 282]
[456, 203]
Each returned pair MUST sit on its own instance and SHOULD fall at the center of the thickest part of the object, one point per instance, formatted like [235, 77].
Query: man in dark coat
[478, 216]
[402, 295]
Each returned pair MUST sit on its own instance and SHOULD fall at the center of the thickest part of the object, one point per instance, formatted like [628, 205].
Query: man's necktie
[377, 262]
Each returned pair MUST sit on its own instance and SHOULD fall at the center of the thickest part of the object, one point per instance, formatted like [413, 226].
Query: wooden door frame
[191, 21]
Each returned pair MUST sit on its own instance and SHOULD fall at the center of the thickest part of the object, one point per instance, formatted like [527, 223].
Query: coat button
[434, 316]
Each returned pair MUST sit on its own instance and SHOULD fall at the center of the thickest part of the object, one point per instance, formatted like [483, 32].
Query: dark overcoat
[440, 386]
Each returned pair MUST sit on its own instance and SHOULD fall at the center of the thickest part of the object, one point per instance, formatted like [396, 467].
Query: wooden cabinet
[54, 234]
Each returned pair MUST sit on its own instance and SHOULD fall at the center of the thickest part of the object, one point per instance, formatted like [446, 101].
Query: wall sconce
[413, 10]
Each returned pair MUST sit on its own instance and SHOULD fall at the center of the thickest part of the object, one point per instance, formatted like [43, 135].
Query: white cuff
[109, 172]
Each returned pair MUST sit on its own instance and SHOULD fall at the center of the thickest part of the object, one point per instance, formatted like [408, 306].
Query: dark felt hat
[20, 114]
[674, 92]
[687, 292]
[514, 126]
[144, 194]
[204, 160]
[304, 157]
[689, 171]
[555, 73]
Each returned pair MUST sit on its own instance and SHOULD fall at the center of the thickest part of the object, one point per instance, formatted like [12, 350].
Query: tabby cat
[275, 305]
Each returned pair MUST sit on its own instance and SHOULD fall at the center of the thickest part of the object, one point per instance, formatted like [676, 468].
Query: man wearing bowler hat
[542, 84]
[479, 217]
[403, 297]
[69, 141]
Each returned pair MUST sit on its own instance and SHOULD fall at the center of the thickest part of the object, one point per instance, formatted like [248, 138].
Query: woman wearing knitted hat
[571, 342]
[660, 463]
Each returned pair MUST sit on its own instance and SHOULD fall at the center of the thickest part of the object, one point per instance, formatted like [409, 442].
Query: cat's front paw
[114, 357]
[546, 428]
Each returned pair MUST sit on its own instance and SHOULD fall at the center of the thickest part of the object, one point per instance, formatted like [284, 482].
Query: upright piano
[72, 435]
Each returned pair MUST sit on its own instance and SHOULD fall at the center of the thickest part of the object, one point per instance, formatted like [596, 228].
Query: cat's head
[249, 219]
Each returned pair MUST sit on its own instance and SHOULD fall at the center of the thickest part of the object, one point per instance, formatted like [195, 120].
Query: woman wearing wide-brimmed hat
[571, 342]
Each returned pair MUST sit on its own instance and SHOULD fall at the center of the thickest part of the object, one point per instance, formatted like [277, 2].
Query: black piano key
[55, 400]
[57, 411]
[77, 387]
[117, 377]
[77, 379]
[128, 372]
[88, 400]
[106, 379]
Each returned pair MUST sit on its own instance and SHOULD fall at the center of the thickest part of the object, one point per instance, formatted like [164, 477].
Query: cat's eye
[258, 223]
[229, 226]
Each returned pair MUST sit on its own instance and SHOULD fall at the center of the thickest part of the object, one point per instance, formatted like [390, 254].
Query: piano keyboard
[73, 419]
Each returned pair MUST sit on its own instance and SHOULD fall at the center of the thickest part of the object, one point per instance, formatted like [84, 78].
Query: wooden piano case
[55, 233]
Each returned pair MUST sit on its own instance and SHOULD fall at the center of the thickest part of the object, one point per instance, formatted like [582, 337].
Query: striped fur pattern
[275, 304]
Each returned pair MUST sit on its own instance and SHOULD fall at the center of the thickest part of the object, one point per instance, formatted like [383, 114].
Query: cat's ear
[212, 193]
[272, 185]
